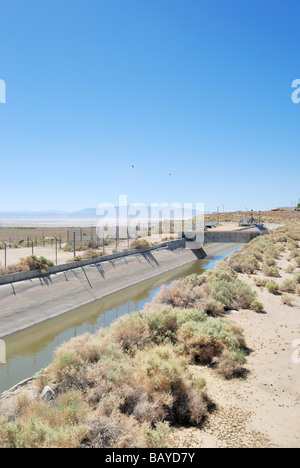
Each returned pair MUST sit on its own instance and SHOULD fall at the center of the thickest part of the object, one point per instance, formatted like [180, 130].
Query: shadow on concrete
[100, 269]
[199, 253]
[150, 259]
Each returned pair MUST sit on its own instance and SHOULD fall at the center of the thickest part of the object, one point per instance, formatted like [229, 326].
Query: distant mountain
[52, 214]
[87, 213]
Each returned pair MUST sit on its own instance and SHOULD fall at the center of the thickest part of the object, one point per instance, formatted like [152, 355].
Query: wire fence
[71, 243]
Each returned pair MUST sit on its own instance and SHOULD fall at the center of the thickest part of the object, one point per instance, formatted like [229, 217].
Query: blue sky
[200, 89]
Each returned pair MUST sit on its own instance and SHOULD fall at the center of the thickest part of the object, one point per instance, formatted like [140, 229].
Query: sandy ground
[14, 255]
[263, 410]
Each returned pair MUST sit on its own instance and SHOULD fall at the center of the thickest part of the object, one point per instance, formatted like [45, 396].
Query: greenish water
[29, 351]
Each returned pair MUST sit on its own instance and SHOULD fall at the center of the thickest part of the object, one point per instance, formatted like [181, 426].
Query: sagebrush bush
[257, 306]
[203, 341]
[272, 287]
[297, 277]
[272, 271]
[288, 285]
[179, 295]
[132, 332]
[193, 280]
[231, 364]
[35, 263]
[244, 262]
[287, 299]
[140, 244]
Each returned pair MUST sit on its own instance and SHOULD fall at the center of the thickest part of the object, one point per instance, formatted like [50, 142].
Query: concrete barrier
[28, 275]
[234, 237]
[34, 300]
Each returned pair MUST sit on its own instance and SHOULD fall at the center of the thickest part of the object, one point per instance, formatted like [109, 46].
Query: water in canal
[31, 350]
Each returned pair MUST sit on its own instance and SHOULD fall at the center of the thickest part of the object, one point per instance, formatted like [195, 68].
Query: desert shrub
[270, 261]
[231, 364]
[233, 294]
[295, 253]
[291, 269]
[272, 271]
[85, 361]
[260, 282]
[92, 254]
[204, 341]
[4, 271]
[140, 244]
[297, 277]
[69, 247]
[257, 306]
[165, 378]
[132, 332]
[187, 315]
[287, 299]
[179, 295]
[193, 280]
[35, 263]
[155, 437]
[288, 285]
[213, 307]
[272, 287]
[78, 258]
[45, 425]
[223, 265]
[160, 369]
[243, 263]
[163, 325]
[116, 430]
[272, 253]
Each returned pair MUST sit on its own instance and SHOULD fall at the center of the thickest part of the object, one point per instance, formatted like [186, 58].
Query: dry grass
[28, 264]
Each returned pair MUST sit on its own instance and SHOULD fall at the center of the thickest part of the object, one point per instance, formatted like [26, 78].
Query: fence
[64, 245]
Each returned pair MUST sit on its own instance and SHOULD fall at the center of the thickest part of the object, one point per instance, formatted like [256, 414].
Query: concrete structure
[240, 236]
[34, 299]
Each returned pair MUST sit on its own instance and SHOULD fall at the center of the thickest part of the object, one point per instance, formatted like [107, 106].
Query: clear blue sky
[200, 89]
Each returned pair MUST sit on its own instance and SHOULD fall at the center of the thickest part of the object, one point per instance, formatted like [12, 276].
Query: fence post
[74, 242]
[5, 263]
